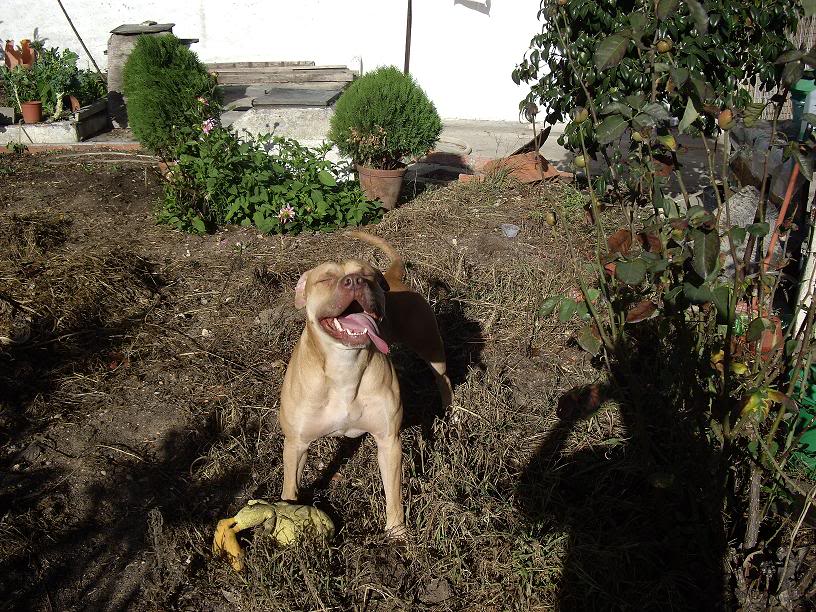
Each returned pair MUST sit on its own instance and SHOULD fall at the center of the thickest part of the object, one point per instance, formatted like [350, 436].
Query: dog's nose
[351, 281]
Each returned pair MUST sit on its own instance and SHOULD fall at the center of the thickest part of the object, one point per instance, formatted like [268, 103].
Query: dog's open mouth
[355, 327]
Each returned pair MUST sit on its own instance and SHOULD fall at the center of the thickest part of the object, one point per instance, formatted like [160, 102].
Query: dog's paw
[399, 534]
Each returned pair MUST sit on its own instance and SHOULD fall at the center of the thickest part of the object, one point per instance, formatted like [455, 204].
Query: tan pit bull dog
[340, 380]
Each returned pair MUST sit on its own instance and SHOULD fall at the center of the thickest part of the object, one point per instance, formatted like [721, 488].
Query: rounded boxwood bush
[162, 80]
[382, 117]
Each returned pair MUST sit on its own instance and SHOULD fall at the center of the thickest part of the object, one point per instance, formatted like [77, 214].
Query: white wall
[461, 56]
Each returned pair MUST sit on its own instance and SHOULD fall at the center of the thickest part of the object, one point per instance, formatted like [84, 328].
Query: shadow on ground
[642, 513]
[71, 528]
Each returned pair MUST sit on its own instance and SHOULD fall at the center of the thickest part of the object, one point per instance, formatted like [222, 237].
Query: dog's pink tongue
[360, 321]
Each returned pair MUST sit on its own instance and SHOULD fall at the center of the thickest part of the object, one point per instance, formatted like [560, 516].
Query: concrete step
[289, 97]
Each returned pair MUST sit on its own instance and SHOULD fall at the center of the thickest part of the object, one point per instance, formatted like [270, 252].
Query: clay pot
[382, 185]
[32, 112]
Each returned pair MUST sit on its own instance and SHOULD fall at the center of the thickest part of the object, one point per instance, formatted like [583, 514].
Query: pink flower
[286, 214]
[208, 125]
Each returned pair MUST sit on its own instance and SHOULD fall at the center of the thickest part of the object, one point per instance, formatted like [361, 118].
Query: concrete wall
[463, 51]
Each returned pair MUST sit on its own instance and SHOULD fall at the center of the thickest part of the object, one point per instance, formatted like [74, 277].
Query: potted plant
[381, 119]
[21, 83]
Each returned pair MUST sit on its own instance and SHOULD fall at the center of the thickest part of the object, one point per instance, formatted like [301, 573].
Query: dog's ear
[382, 282]
[300, 291]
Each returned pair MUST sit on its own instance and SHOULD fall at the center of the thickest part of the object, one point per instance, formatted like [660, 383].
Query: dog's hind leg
[443, 383]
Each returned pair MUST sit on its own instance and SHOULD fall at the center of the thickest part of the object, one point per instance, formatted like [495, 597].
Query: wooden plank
[327, 67]
[285, 64]
[249, 78]
[286, 69]
[91, 110]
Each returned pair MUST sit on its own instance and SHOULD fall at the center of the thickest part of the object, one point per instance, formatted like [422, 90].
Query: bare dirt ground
[138, 405]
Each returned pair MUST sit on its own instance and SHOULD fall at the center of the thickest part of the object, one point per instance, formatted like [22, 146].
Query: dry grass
[510, 506]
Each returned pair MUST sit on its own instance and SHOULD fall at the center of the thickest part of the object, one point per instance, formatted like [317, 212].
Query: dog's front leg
[294, 460]
[389, 456]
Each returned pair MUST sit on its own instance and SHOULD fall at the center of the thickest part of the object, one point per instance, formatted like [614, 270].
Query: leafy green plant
[592, 55]
[680, 282]
[53, 76]
[273, 183]
[20, 84]
[56, 72]
[383, 117]
[88, 87]
[162, 81]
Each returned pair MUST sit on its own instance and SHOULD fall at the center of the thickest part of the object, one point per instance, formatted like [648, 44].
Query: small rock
[435, 591]
[510, 230]
[206, 333]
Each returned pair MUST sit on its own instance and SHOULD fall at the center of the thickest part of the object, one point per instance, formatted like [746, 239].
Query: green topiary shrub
[383, 117]
[162, 80]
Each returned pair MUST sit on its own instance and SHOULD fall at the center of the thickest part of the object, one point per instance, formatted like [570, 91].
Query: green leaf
[810, 7]
[759, 230]
[706, 252]
[638, 22]
[679, 75]
[617, 107]
[548, 306]
[794, 55]
[610, 51]
[805, 163]
[665, 8]
[631, 272]
[697, 295]
[642, 120]
[722, 301]
[658, 111]
[326, 178]
[792, 72]
[689, 116]
[611, 129]
[567, 309]
[753, 112]
[698, 14]
[704, 90]
[588, 341]
[198, 224]
[636, 101]
[671, 295]
[756, 328]
[737, 235]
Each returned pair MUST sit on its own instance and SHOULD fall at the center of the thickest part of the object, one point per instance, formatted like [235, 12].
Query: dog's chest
[342, 410]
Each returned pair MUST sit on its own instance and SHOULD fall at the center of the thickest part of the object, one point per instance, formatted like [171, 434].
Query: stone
[285, 96]
[146, 27]
[751, 145]
[6, 115]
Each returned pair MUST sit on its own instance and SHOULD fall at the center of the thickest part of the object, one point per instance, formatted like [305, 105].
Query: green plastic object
[806, 400]
[799, 94]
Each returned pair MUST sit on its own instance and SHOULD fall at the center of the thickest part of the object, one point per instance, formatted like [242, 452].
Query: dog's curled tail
[396, 271]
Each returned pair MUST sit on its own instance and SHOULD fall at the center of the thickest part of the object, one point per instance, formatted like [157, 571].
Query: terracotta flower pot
[382, 185]
[32, 112]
